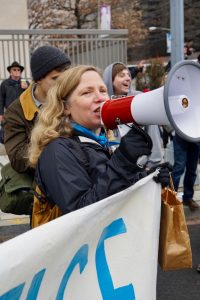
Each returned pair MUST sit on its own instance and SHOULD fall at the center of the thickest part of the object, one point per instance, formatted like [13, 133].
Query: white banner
[107, 250]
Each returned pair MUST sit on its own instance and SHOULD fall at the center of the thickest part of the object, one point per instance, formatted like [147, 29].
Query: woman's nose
[100, 97]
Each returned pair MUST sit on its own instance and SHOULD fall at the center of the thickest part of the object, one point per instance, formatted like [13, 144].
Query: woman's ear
[67, 106]
[67, 110]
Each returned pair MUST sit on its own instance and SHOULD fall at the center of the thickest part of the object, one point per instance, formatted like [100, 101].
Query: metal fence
[97, 47]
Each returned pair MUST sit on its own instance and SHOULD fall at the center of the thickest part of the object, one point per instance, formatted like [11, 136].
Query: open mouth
[97, 110]
[126, 85]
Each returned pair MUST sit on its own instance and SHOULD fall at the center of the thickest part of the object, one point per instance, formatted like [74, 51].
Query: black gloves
[163, 176]
[135, 144]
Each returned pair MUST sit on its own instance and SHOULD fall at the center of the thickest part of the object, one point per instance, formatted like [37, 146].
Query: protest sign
[107, 250]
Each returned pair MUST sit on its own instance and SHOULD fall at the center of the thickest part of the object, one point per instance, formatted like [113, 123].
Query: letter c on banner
[81, 258]
[105, 281]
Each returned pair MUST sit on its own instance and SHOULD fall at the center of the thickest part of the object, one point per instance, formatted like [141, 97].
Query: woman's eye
[86, 92]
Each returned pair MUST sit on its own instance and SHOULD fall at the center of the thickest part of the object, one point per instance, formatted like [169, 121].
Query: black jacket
[9, 91]
[66, 181]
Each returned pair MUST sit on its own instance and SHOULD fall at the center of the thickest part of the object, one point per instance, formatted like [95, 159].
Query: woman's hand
[163, 176]
[135, 144]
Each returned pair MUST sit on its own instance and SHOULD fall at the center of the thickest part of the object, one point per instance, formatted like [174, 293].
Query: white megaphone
[177, 103]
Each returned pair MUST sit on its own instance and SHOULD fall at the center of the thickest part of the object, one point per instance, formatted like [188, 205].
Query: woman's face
[122, 82]
[86, 100]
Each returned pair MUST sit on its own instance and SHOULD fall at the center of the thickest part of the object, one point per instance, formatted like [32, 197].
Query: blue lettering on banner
[35, 285]
[13, 294]
[105, 280]
[107, 289]
[81, 258]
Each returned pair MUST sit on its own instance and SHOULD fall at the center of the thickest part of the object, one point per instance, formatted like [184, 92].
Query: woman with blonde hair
[74, 166]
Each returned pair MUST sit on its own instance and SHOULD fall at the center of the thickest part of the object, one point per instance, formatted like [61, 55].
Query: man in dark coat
[12, 87]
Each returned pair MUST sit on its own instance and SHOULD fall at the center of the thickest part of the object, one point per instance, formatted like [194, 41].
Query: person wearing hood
[117, 78]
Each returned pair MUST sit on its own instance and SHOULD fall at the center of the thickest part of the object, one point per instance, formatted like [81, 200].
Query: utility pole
[177, 31]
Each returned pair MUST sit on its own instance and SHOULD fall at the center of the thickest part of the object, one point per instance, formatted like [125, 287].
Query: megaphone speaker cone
[182, 90]
[177, 103]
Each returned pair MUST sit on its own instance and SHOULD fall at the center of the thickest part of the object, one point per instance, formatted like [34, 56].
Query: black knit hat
[46, 59]
[15, 64]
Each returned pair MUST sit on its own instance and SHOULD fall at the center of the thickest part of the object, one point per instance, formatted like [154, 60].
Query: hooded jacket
[20, 117]
[107, 77]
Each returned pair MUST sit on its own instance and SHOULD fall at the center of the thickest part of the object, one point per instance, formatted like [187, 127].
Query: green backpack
[16, 191]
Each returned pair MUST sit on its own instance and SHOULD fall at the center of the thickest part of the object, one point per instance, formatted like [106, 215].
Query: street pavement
[182, 284]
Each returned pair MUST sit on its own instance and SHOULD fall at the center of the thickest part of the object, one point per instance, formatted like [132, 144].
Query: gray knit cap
[46, 59]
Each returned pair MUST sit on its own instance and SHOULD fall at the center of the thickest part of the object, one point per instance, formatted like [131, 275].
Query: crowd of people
[52, 130]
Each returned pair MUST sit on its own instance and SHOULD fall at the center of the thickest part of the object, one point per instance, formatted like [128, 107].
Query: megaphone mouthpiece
[115, 112]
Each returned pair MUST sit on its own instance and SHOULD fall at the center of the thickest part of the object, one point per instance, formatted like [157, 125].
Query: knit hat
[15, 64]
[46, 59]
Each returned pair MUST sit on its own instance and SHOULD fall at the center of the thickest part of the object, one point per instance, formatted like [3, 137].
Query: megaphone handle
[144, 133]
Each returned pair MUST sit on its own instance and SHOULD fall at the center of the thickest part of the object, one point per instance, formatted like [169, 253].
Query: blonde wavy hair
[54, 118]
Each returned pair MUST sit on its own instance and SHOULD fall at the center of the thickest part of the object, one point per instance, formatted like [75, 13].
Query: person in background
[134, 70]
[72, 112]
[12, 87]
[47, 63]
[198, 58]
[186, 156]
[166, 134]
[187, 52]
[117, 78]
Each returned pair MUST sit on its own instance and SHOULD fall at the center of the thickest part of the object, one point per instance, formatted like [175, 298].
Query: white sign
[107, 250]
[105, 17]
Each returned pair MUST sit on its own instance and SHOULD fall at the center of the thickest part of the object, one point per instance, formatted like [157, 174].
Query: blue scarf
[101, 139]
